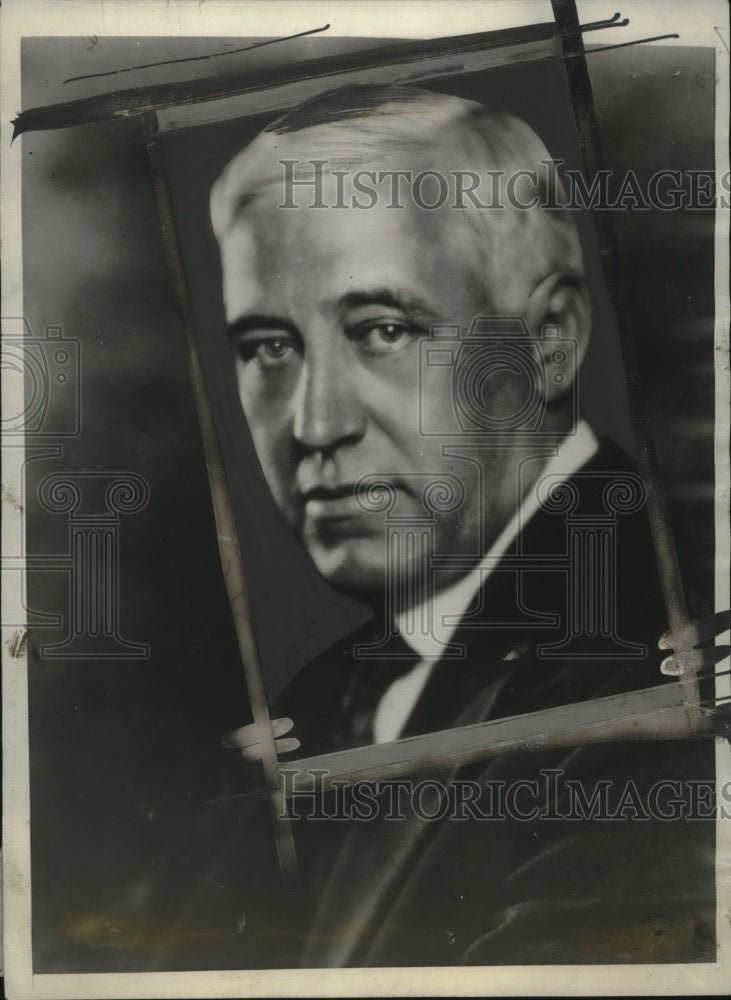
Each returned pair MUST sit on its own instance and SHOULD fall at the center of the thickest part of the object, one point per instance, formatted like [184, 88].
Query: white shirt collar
[449, 605]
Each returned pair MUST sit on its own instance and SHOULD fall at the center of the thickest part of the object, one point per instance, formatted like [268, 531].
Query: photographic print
[365, 499]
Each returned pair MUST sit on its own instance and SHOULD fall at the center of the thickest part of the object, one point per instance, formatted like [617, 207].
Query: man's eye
[384, 338]
[268, 352]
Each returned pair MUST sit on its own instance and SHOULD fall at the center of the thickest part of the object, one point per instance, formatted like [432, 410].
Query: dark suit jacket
[501, 890]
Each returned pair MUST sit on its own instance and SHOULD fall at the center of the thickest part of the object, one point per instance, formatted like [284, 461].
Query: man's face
[327, 309]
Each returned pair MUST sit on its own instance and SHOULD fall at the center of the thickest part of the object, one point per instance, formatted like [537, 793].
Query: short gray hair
[362, 124]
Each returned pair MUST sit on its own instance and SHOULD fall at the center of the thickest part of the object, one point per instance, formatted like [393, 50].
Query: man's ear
[559, 309]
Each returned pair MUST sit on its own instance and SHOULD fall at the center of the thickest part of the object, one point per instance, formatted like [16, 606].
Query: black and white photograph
[365, 478]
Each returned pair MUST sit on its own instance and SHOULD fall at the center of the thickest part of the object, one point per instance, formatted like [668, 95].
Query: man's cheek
[275, 457]
[270, 424]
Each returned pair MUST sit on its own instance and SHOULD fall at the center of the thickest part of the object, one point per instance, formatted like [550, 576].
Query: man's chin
[356, 569]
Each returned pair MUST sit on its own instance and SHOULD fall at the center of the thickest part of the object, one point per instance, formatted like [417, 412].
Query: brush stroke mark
[18, 644]
[723, 40]
[284, 96]
[621, 45]
[139, 100]
[211, 55]
[9, 497]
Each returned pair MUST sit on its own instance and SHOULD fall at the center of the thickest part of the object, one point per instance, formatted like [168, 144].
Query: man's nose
[328, 410]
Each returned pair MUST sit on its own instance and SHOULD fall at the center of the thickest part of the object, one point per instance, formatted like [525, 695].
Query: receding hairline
[366, 123]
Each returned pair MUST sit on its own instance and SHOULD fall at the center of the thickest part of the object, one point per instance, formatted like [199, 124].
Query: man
[407, 347]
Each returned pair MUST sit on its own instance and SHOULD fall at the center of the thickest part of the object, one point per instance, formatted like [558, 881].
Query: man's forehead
[342, 235]
[413, 198]
[328, 258]
[439, 133]
[312, 175]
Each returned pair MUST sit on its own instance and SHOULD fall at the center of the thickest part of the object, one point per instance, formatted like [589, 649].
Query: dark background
[124, 753]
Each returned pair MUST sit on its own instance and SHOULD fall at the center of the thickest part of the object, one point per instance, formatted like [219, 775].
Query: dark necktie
[372, 677]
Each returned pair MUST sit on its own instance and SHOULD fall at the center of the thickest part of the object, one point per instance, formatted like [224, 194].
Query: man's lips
[328, 492]
[339, 501]
[322, 502]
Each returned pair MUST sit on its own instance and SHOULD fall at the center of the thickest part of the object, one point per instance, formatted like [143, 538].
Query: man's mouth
[317, 493]
[322, 503]
[357, 500]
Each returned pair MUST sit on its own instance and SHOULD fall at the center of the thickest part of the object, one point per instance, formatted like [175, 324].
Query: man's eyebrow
[389, 297]
[259, 321]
